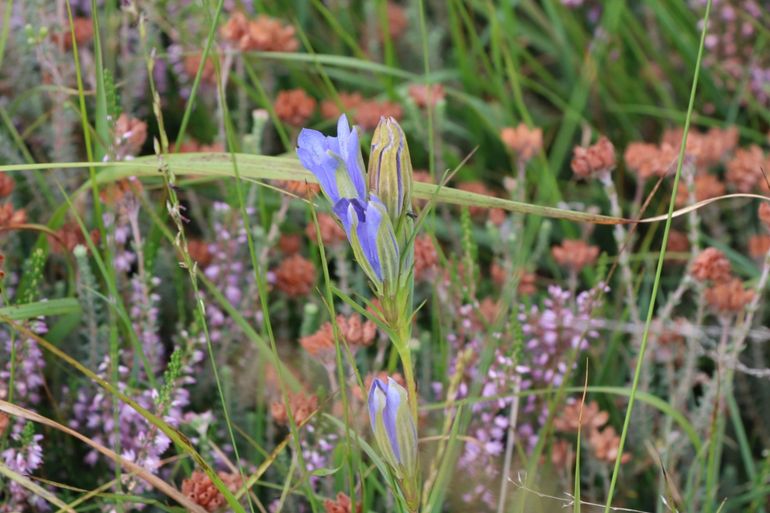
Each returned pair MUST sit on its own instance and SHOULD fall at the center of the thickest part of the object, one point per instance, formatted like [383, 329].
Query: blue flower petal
[367, 236]
[350, 151]
[392, 402]
[314, 154]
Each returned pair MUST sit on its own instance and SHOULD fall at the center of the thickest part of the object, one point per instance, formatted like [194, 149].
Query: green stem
[411, 385]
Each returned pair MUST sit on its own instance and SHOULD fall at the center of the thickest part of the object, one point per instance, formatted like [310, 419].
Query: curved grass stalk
[258, 167]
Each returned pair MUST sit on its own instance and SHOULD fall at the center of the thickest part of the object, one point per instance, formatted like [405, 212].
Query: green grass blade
[659, 268]
[62, 306]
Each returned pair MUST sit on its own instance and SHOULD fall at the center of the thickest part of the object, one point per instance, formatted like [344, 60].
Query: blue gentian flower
[371, 236]
[337, 164]
[335, 161]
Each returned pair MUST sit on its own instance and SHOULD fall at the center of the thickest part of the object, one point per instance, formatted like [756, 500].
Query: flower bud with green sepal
[390, 169]
[396, 435]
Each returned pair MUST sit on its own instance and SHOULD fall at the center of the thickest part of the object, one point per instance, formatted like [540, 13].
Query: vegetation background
[182, 323]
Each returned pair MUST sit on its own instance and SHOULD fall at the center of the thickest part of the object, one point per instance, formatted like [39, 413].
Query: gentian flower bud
[390, 168]
[371, 236]
[396, 435]
[370, 222]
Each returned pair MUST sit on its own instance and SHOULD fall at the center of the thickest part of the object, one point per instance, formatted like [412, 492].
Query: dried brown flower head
[527, 284]
[320, 345]
[193, 61]
[606, 444]
[300, 188]
[130, 134]
[718, 143]
[295, 276]
[489, 309]
[69, 236]
[711, 265]
[201, 490]
[425, 95]
[289, 244]
[397, 21]
[744, 170]
[759, 245]
[425, 258]
[592, 420]
[340, 505]
[330, 109]
[121, 193]
[498, 274]
[598, 158]
[575, 254]
[497, 216]
[263, 34]
[369, 113]
[562, 454]
[355, 331]
[190, 145]
[524, 141]
[6, 185]
[527, 281]
[235, 28]
[4, 422]
[678, 242]
[728, 297]
[707, 148]
[302, 406]
[422, 176]
[331, 232]
[648, 160]
[11, 217]
[199, 252]
[294, 107]
[84, 32]
[764, 213]
[706, 186]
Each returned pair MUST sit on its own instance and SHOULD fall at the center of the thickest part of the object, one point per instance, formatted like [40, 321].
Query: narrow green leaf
[61, 306]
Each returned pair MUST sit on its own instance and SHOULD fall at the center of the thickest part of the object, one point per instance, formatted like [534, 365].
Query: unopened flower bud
[396, 435]
[371, 236]
[390, 168]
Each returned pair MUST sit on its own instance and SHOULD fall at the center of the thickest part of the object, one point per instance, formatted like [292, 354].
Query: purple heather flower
[29, 365]
[24, 457]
